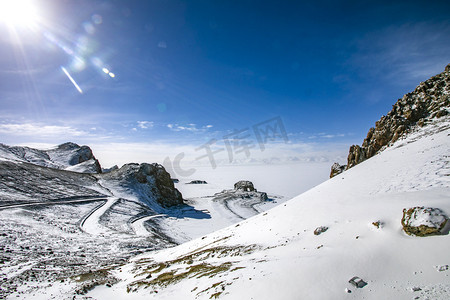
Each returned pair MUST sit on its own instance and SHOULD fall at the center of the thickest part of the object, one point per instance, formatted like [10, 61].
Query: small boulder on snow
[337, 169]
[357, 282]
[378, 224]
[423, 221]
[442, 268]
[320, 230]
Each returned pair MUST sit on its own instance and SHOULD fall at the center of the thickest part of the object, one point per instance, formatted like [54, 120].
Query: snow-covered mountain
[282, 254]
[348, 238]
[379, 230]
[57, 221]
[67, 156]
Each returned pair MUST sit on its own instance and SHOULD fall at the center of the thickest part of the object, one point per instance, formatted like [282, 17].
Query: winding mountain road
[138, 225]
[90, 223]
[56, 202]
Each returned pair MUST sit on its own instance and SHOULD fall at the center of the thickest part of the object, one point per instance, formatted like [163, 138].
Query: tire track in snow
[90, 223]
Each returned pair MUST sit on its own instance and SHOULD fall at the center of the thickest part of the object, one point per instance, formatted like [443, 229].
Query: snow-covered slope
[276, 255]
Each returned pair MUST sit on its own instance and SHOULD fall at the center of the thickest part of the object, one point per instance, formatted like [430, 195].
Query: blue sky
[186, 72]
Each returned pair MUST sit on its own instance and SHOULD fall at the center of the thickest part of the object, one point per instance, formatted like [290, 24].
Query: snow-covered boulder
[320, 230]
[423, 221]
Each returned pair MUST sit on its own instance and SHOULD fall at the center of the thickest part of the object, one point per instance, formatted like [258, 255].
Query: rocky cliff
[148, 181]
[430, 100]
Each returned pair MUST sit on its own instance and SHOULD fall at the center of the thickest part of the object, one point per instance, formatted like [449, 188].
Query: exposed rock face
[423, 221]
[149, 179]
[431, 99]
[244, 185]
[77, 154]
[337, 169]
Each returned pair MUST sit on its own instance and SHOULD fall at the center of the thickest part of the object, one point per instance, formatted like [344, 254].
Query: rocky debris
[151, 180]
[337, 169]
[357, 282]
[244, 185]
[197, 182]
[442, 268]
[423, 221]
[175, 180]
[429, 100]
[320, 230]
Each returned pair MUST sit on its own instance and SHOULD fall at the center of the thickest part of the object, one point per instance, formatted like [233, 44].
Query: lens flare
[72, 80]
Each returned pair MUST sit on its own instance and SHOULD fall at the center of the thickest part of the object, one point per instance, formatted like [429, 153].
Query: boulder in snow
[337, 169]
[320, 230]
[423, 221]
[358, 282]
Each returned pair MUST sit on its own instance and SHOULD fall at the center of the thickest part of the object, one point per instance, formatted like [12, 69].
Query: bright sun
[18, 12]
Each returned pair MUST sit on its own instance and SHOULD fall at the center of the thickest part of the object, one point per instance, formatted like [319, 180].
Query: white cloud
[40, 131]
[112, 153]
[405, 53]
[145, 124]
[326, 135]
[191, 127]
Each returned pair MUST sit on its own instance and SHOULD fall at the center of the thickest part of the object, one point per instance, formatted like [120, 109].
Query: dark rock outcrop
[151, 180]
[197, 182]
[244, 185]
[423, 221]
[337, 169]
[431, 99]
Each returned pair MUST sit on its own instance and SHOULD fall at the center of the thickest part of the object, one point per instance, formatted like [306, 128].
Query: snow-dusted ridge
[275, 255]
